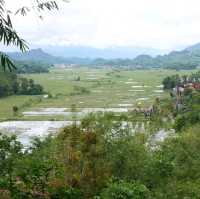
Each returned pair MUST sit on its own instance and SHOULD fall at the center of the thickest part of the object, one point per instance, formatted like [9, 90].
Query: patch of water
[53, 109]
[137, 86]
[45, 96]
[136, 90]
[26, 130]
[160, 86]
[125, 105]
[48, 111]
[131, 82]
[67, 112]
[95, 110]
[158, 91]
[143, 99]
[145, 86]
[161, 135]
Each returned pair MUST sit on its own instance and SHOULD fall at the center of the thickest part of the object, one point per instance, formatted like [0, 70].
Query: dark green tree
[10, 152]
[125, 190]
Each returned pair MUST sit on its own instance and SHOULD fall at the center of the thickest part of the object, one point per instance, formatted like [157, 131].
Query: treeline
[11, 84]
[31, 67]
[183, 60]
[177, 80]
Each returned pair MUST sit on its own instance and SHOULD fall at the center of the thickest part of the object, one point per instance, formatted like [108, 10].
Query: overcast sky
[163, 24]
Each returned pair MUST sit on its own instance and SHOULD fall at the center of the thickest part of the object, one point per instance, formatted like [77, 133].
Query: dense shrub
[29, 67]
[171, 82]
[125, 190]
[11, 84]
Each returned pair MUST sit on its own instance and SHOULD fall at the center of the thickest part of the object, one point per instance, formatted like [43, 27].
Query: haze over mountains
[93, 53]
[112, 56]
[106, 53]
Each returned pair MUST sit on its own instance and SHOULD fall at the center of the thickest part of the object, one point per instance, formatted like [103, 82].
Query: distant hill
[105, 53]
[188, 58]
[185, 59]
[194, 48]
[37, 55]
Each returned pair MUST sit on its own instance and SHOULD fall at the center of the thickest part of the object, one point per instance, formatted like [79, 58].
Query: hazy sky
[164, 24]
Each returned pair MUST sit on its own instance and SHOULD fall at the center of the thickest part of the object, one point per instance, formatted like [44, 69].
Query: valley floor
[72, 94]
[88, 88]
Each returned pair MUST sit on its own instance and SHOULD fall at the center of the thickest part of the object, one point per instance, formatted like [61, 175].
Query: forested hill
[36, 55]
[194, 48]
[39, 56]
[188, 58]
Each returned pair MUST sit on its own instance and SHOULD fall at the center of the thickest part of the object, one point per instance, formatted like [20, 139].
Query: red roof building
[196, 86]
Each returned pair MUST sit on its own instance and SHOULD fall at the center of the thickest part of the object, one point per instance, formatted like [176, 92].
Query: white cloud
[101, 23]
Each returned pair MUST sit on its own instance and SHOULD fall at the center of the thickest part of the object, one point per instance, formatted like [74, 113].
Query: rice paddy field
[87, 90]
[74, 93]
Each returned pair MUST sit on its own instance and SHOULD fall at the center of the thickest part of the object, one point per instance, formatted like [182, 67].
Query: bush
[125, 190]
[180, 123]
[15, 110]
[78, 90]
[65, 193]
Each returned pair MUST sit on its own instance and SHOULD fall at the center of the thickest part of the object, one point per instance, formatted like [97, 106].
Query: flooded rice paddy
[68, 111]
[26, 130]
[109, 91]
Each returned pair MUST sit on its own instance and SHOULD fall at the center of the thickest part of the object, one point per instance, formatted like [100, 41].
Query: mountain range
[189, 57]
[106, 53]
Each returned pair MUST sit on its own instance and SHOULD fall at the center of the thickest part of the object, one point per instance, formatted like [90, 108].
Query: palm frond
[6, 62]
[23, 11]
[9, 36]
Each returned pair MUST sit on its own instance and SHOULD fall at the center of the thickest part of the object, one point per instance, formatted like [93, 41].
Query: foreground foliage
[101, 159]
